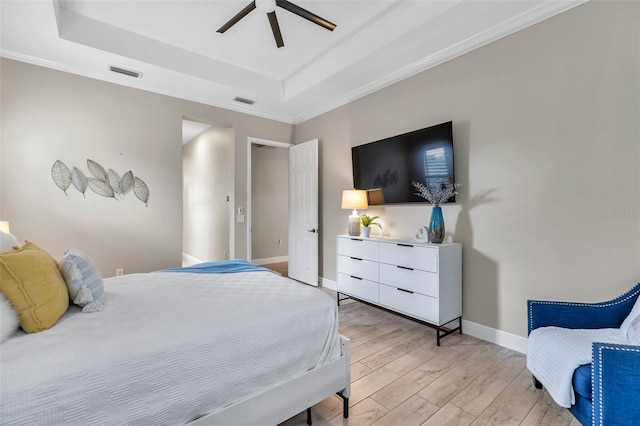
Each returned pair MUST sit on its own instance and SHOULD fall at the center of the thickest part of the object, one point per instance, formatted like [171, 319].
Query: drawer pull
[357, 278]
[406, 291]
[405, 267]
[404, 245]
[356, 239]
[355, 258]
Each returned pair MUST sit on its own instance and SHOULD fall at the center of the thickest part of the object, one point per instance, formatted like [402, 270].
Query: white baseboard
[499, 337]
[330, 284]
[267, 260]
[188, 260]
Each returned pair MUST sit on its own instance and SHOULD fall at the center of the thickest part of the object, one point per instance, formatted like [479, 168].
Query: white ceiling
[175, 45]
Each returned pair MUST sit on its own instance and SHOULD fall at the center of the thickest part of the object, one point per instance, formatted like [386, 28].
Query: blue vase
[436, 225]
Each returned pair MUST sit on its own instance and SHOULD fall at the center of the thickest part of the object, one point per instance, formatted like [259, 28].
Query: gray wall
[547, 141]
[269, 202]
[547, 147]
[49, 115]
[207, 182]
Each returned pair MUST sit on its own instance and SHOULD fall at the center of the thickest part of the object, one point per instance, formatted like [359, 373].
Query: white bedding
[168, 348]
[554, 353]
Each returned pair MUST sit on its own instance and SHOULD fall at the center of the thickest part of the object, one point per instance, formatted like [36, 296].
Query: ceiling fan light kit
[269, 6]
[266, 5]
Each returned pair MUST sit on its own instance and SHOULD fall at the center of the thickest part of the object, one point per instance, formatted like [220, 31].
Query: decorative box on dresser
[420, 280]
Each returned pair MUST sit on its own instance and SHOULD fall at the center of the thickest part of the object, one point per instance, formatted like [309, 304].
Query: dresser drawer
[358, 247]
[358, 267]
[409, 279]
[360, 288]
[413, 304]
[411, 256]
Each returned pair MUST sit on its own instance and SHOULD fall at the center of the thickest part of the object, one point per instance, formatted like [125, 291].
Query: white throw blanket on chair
[554, 353]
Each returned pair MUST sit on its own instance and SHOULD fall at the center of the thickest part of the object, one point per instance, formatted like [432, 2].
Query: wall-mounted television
[387, 167]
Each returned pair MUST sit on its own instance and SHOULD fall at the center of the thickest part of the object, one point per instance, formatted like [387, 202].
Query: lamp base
[354, 225]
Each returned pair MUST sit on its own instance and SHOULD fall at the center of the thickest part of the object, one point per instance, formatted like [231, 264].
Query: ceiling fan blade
[273, 20]
[244, 12]
[305, 14]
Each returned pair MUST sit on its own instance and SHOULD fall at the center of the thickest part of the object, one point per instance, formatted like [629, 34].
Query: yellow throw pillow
[30, 279]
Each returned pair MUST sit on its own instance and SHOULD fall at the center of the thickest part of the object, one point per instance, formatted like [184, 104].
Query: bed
[249, 347]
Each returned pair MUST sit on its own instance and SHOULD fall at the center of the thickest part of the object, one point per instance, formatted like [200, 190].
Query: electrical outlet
[119, 272]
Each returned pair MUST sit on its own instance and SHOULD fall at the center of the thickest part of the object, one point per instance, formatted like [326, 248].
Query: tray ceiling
[176, 47]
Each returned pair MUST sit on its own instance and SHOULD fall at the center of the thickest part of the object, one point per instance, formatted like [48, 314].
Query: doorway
[267, 202]
[207, 169]
[300, 212]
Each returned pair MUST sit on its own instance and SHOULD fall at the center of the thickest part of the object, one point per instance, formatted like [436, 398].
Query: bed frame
[277, 404]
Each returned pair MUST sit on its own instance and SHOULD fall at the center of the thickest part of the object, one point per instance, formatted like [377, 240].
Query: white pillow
[8, 319]
[83, 279]
[633, 334]
[635, 313]
[7, 242]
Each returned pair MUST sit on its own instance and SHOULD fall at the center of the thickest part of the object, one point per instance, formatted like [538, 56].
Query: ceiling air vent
[130, 73]
[244, 101]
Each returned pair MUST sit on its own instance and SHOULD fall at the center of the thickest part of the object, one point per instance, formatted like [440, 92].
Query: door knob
[312, 230]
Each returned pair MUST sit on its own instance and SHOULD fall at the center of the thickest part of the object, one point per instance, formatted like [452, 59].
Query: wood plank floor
[401, 378]
[280, 267]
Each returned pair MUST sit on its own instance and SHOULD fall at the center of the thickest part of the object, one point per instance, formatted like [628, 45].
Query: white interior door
[303, 212]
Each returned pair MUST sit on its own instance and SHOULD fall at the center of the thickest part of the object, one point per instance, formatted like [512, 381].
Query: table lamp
[354, 199]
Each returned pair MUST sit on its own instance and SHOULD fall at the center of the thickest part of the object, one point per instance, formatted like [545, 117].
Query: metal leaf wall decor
[61, 176]
[141, 190]
[127, 182]
[106, 183]
[114, 181]
[79, 180]
[97, 170]
[101, 188]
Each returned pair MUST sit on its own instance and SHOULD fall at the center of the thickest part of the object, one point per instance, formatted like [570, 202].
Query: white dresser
[420, 280]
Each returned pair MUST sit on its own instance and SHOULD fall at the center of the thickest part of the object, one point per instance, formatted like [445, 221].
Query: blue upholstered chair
[607, 392]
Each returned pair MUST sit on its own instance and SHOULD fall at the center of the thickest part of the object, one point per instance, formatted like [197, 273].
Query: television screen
[387, 167]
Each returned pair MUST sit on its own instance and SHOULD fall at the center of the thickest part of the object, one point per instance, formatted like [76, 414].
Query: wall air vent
[130, 73]
[244, 101]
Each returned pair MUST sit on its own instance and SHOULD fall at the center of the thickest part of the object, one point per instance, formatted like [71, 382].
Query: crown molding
[522, 21]
[147, 87]
[303, 109]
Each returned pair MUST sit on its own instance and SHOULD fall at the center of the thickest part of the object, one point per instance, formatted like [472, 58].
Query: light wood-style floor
[281, 267]
[401, 378]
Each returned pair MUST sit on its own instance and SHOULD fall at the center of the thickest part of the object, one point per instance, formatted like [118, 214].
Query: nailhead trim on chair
[593, 374]
[610, 303]
[593, 406]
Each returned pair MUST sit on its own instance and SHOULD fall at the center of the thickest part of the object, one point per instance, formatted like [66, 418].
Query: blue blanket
[224, 267]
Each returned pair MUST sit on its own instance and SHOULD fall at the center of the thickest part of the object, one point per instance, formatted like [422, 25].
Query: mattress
[168, 348]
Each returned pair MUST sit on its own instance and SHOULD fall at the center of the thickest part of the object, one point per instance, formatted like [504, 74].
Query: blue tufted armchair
[607, 391]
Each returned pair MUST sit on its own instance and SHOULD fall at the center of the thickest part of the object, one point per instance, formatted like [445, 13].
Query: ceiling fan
[269, 6]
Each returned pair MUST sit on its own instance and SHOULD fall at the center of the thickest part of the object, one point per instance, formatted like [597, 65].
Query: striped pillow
[83, 279]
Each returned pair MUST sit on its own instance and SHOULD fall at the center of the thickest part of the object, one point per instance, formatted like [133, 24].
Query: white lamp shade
[354, 199]
[4, 227]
